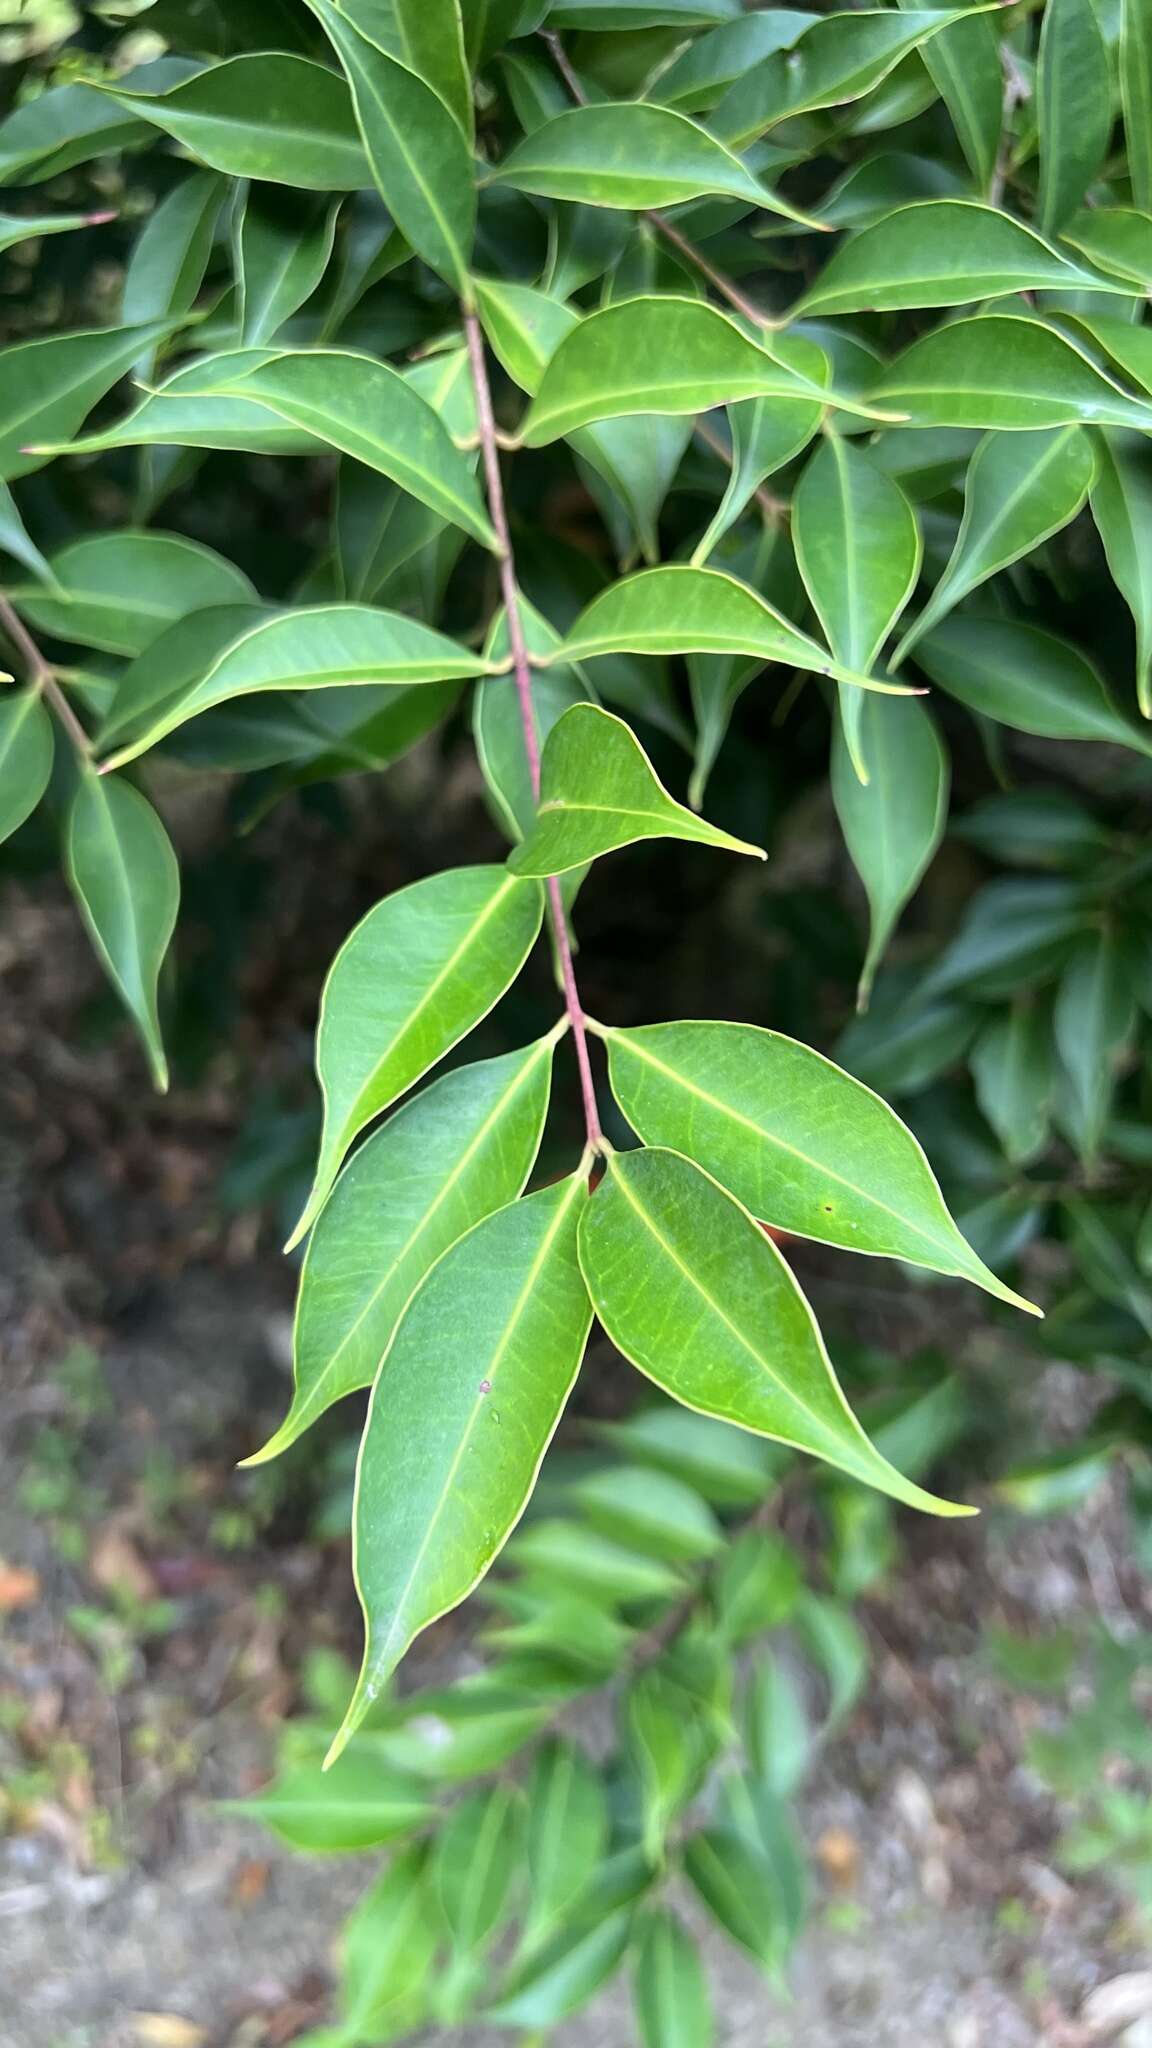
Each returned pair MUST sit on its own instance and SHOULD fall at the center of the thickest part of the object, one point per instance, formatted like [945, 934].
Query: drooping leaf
[123, 874]
[1003, 371]
[1122, 509]
[170, 258]
[692, 1290]
[357, 1806]
[461, 1149]
[894, 823]
[48, 387]
[118, 591]
[1016, 672]
[273, 116]
[417, 149]
[566, 1833]
[766, 433]
[733, 1878]
[1073, 107]
[964, 65]
[1093, 1020]
[1136, 95]
[497, 725]
[322, 648]
[26, 753]
[415, 974]
[503, 1318]
[1019, 490]
[281, 253]
[599, 791]
[804, 1146]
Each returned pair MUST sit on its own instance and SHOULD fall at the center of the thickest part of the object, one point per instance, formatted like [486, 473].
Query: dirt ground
[156, 1606]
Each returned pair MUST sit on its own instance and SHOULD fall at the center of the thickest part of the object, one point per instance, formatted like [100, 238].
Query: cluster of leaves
[652, 1603]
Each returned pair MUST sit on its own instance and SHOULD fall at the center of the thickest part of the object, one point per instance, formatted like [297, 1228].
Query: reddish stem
[522, 673]
[42, 675]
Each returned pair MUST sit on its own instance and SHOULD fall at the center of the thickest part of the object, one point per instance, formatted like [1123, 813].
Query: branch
[42, 676]
[522, 673]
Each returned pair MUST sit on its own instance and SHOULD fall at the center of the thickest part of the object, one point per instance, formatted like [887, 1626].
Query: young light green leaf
[475, 1863]
[1007, 669]
[1000, 370]
[26, 753]
[123, 874]
[803, 1145]
[275, 117]
[368, 410]
[1020, 488]
[942, 252]
[1011, 1065]
[119, 591]
[326, 647]
[1073, 107]
[894, 823]
[461, 1149]
[500, 1323]
[414, 975]
[1094, 1017]
[281, 252]
[632, 155]
[358, 1806]
[757, 1585]
[663, 355]
[692, 1290]
[599, 791]
[1122, 509]
[1115, 238]
[417, 149]
[566, 1835]
[48, 387]
[1136, 95]
[964, 66]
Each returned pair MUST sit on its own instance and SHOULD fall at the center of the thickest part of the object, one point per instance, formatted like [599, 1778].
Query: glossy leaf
[804, 1146]
[173, 664]
[670, 1989]
[964, 65]
[123, 874]
[280, 258]
[170, 258]
[413, 976]
[1073, 107]
[894, 823]
[15, 539]
[47, 388]
[1136, 95]
[1122, 509]
[1019, 490]
[502, 1321]
[599, 791]
[26, 753]
[566, 1833]
[1004, 371]
[357, 1806]
[431, 36]
[704, 68]
[459, 1150]
[691, 1289]
[1007, 669]
[32, 227]
[119, 591]
[1114, 238]
[272, 116]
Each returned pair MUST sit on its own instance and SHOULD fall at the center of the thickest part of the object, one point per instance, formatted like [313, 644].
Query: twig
[1016, 90]
[522, 673]
[43, 676]
[774, 509]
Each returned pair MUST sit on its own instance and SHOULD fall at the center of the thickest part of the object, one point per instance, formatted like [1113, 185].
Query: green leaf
[681, 610]
[123, 874]
[431, 37]
[757, 1585]
[599, 791]
[566, 1834]
[327, 647]
[632, 155]
[169, 261]
[1014, 934]
[700, 73]
[475, 1863]
[32, 227]
[626, 15]
[47, 388]
[281, 252]
[579, 1557]
[26, 753]
[496, 721]
[662, 355]
[1115, 238]
[804, 1146]
[119, 591]
[1011, 1064]
[72, 123]
[416, 974]
[669, 1986]
[418, 151]
[766, 433]
[457, 1152]
[272, 116]
[1020, 489]
[964, 66]
[942, 252]
[1136, 95]
[651, 1512]
[1027, 678]
[500, 1323]
[663, 1745]
[892, 825]
[734, 1881]
[174, 663]
[389, 1952]
[691, 1289]
[1000, 370]
[365, 409]
[1094, 1018]
[722, 1464]
[357, 1806]
[1122, 509]
[15, 539]
[559, 1979]
[1073, 107]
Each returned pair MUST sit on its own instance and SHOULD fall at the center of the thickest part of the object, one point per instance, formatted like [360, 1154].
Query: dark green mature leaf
[72, 123]
[1011, 1064]
[170, 258]
[413, 976]
[15, 539]
[599, 791]
[766, 433]
[804, 1146]
[669, 1987]
[195, 408]
[1073, 107]
[173, 664]
[625, 15]
[892, 825]
[418, 151]
[704, 68]
[123, 874]
[1004, 371]
[26, 753]
[450, 1157]
[503, 1318]
[1019, 490]
[964, 65]
[32, 227]
[1122, 509]
[277, 117]
[942, 252]
[431, 42]
[1014, 934]
[118, 591]
[634, 156]
[1094, 1017]
[1136, 95]
[357, 1806]
[695, 1293]
[322, 648]
[1026, 678]
[1115, 238]
[48, 387]
[280, 257]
